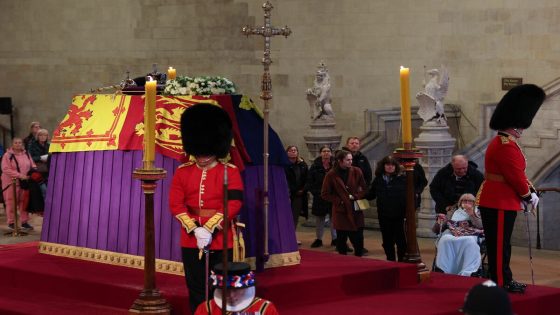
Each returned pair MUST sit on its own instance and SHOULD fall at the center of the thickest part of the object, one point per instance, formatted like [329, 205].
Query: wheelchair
[482, 271]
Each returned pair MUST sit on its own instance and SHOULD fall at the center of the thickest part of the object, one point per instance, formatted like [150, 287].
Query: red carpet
[33, 283]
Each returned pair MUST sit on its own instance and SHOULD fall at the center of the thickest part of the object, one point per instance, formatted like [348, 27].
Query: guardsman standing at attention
[506, 189]
[196, 196]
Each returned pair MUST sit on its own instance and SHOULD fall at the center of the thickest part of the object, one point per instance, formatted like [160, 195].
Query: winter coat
[296, 184]
[337, 192]
[391, 196]
[10, 167]
[420, 182]
[442, 187]
[314, 184]
[36, 150]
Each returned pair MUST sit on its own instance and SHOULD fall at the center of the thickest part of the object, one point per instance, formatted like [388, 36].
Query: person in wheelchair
[458, 251]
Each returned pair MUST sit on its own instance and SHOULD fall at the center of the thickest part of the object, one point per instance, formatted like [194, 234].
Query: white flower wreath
[199, 86]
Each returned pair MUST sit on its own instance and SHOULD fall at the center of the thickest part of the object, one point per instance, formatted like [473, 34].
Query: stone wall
[51, 50]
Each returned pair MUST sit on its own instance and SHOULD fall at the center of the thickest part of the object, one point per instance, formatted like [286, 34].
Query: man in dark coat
[358, 159]
[456, 178]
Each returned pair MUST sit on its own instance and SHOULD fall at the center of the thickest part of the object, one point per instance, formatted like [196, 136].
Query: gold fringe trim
[107, 257]
[277, 260]
[133, 261]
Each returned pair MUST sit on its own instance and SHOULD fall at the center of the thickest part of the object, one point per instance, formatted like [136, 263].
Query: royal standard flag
[97, 122]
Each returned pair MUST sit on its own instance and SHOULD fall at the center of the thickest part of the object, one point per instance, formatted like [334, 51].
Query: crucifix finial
[267, 31]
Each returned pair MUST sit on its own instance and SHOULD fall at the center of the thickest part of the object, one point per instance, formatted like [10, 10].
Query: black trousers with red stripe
[496, 222]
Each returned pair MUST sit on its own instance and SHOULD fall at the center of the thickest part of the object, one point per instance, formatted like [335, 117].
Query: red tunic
[196, 199]
[505, 181]
[258, 306]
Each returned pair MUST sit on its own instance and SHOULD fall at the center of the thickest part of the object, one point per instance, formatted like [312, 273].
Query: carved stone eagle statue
[431, 100]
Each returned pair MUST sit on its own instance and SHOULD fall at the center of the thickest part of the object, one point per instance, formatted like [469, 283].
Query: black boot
[317, 243]
[515, 287]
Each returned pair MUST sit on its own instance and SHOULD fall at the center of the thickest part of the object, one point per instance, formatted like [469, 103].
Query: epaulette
[231, 165]
[507, 139]
[189, 163]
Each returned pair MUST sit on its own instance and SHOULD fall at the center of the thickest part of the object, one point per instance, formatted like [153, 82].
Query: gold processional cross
[267, 31]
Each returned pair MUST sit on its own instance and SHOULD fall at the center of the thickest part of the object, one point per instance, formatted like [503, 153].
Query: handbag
[42, 167]
[361, 204]
[24, 184]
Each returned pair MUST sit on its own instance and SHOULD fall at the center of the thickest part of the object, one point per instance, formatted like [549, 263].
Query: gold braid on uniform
[187, 222]
[214, 222]
[264, 307]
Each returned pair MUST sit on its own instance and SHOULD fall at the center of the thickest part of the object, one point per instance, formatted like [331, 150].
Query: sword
[207, 264]
[526, 213]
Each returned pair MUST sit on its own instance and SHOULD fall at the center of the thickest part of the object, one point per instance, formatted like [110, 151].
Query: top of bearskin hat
[206, 130]
[518, 107]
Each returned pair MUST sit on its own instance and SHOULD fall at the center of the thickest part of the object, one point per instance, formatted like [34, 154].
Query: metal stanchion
[16, 231]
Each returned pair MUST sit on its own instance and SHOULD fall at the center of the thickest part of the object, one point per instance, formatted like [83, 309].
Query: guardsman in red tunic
[241, 299]
[196, 197]
[506, 189]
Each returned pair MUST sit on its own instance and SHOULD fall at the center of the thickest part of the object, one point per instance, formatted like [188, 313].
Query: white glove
[203, 237]
[44, 157]
[534, 200]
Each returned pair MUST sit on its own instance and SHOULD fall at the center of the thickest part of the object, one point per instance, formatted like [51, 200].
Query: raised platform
[324, 283]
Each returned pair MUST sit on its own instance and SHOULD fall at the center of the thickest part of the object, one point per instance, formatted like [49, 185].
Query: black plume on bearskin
[206, 130]
[518, 107]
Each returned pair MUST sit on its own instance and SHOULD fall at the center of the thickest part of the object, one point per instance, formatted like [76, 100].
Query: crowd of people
[339, 182]
[337, 185]
[26, 163]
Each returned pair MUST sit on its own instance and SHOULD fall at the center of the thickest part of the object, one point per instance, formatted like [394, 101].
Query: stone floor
[546, 263]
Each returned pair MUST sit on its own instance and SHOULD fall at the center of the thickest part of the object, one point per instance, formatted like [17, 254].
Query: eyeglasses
[467, 200]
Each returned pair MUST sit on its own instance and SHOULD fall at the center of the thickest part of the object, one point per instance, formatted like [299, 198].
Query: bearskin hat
[518, 107]
[206, 130]
[487, 298]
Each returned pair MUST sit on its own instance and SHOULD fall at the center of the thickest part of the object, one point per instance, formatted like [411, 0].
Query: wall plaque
[509, 83]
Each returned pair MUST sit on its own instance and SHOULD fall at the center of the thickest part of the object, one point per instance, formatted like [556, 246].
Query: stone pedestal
[321, 132]
[436, 144]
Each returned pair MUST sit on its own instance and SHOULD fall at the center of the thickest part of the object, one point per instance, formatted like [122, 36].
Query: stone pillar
[436, 144]
[321, 132]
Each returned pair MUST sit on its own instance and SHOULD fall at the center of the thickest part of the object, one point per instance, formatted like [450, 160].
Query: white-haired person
[39, 151]
[458, 251]
[34, 126]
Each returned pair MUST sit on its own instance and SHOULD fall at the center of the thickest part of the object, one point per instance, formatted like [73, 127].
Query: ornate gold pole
[407, 157]
[267, 31]
[150, 300]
